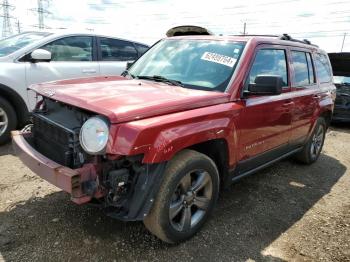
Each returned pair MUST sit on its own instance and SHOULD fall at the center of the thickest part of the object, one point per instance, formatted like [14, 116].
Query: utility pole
[6, 23]
[342, 46]
[41, 13]
[18, 24]
[244, 28]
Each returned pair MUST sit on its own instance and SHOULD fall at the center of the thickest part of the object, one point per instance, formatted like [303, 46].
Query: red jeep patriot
[192, 115]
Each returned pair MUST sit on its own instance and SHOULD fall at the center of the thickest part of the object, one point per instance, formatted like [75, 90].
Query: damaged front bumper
[69, 180]
[84, 184]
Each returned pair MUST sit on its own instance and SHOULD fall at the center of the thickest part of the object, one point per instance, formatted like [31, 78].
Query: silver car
[35, 57]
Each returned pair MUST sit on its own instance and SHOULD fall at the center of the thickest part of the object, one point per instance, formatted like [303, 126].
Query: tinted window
[117, 50]
[141, 49]
[73, 48]
[323, 69]
[269, 62]
[303, 69]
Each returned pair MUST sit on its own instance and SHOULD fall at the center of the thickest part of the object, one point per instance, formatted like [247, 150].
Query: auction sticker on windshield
[220, 59]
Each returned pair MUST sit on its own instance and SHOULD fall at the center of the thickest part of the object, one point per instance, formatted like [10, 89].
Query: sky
[323, 22]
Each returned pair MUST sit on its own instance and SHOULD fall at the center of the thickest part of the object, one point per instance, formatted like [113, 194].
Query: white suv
[35, 57]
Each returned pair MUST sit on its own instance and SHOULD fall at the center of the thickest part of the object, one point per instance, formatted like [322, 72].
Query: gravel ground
[286, 212]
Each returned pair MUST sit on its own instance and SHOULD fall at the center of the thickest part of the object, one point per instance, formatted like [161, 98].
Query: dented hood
[122, 100]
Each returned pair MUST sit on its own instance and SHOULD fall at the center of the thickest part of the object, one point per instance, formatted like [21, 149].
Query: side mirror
[129, 64]
[40, 55]
[266, 85]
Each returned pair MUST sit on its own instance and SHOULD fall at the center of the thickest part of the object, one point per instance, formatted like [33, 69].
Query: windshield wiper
[162, 79]
[127, 73]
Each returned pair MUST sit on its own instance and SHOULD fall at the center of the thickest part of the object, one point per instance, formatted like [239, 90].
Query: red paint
[158, 120]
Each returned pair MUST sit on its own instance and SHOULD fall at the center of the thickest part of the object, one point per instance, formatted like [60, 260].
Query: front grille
[56, 142]
[55, 132]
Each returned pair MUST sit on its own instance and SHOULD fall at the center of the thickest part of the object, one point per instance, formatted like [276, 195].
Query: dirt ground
[288, 212]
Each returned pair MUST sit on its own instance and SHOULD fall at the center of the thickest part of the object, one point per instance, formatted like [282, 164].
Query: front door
[72, 57]
[265, 121]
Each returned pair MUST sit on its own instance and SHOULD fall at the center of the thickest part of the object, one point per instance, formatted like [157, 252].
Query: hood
[122, 100]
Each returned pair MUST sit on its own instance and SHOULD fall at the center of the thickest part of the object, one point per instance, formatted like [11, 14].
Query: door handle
[288, 103]
[89, 71]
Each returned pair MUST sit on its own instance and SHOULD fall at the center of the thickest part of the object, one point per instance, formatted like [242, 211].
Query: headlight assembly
[94, 135]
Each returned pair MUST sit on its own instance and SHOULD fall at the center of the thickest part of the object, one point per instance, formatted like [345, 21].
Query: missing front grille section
[56, 130]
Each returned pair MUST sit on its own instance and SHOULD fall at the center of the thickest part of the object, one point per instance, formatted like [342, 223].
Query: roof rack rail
[258, 35]
[289, 38]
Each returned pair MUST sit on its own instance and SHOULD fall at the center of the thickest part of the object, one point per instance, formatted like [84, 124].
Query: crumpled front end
[122, 185]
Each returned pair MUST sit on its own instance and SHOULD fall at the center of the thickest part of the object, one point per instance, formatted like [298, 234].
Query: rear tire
[312, 149]
[186, 197]
[8, 120]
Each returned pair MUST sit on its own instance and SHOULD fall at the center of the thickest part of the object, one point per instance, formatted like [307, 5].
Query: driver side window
[73, 48]
[269, 62]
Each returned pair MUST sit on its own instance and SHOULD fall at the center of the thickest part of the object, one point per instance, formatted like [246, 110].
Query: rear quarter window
[323, 69]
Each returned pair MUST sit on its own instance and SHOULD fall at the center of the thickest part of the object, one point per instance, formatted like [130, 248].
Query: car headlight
[94, 135]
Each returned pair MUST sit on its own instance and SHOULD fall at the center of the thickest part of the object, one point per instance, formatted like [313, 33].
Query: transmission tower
[6, 23]
[42, 12]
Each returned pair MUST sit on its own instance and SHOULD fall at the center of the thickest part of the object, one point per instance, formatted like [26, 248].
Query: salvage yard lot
[286, 212]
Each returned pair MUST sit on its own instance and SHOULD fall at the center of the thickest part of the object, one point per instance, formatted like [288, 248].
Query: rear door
[114, 54]
[305, 93]
[265, 121]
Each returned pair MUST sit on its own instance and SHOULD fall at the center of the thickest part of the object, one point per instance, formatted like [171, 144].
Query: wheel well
[17, 102]
[217, 150]
[327, 115]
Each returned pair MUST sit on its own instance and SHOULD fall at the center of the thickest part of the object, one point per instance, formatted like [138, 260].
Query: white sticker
[236, 51]
[220, 59]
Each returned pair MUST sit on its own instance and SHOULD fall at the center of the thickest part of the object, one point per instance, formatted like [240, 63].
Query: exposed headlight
[94, 135]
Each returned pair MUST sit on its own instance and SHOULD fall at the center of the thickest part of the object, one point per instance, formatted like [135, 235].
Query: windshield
[342, 80]
[13, 43]
[196, 64]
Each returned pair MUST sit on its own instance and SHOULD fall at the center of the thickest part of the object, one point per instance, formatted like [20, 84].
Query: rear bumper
[67, 179]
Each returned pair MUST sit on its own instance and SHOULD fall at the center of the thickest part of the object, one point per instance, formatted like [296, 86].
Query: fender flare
[17, 102]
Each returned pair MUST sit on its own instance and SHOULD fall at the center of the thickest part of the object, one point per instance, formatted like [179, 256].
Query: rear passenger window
[269, 62]
[323, 69]
[117, 50]
[303, 69]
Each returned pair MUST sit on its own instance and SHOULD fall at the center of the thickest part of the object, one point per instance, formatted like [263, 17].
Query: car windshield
[342, 80]
[195, 64]
[13, 43]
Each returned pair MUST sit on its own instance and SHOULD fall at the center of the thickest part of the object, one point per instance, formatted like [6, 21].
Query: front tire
[312, 149]
[8, 120]
[186, 198]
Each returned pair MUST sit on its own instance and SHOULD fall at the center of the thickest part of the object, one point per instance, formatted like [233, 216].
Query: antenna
[6, 23]
[41, 13]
